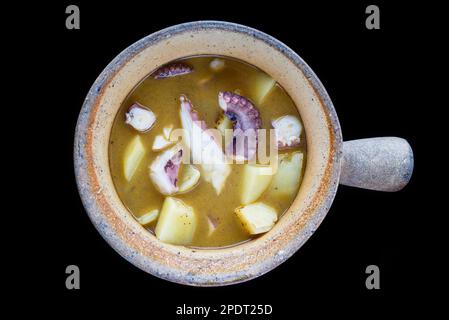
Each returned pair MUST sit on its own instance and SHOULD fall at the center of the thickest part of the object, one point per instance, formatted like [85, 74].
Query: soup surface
[208, 217]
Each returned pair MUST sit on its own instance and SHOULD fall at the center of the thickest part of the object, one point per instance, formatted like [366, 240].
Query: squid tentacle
[172, 70]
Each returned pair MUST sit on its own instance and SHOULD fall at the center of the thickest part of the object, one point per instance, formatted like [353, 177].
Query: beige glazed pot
[380, 164]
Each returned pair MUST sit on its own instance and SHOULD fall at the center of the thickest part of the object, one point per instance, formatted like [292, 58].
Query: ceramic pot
[380, 164]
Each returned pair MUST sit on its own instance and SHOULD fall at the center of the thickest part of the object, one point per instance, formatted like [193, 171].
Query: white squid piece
[139, 117]
[204, 149]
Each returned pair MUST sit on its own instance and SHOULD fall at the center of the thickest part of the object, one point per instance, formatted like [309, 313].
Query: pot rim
[94, 209]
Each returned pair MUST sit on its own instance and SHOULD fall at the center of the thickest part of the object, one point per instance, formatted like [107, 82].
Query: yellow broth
[201, 86]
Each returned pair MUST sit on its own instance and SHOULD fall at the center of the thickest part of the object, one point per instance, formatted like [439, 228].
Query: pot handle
[382, 164]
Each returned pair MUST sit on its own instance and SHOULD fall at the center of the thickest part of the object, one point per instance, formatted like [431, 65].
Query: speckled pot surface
[210, 267]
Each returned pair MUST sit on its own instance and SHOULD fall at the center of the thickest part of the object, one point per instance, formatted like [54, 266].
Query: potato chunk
[257, 217]
[134, 154]
[189, 179]
[287, 178]
[148, 217]
[177, 222]
[256, 179]
[264, 84]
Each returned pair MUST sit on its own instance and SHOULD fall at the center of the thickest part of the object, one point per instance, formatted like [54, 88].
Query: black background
[377, 81]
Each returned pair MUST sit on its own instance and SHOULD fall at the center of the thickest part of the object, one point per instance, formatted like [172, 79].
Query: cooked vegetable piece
[257, 217]
[288, 130]
[287, 178]
[255, 181]
[148, 217]
[189, 179]
[177, 222]
[264, 84]
[134, 153]
[160, 143]
[140, 118]
[217, 64]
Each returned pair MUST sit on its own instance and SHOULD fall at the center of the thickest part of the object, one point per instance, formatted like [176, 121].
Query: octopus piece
[204, 148]
[288, 131]
[246, 123]
[172, 70]
[165, 168]
[139, 117]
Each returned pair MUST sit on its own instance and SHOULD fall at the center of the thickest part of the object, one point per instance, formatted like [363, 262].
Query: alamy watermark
[73, 19]
[73, 279]
[373, 19]
[204, 146]
[373, 279]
